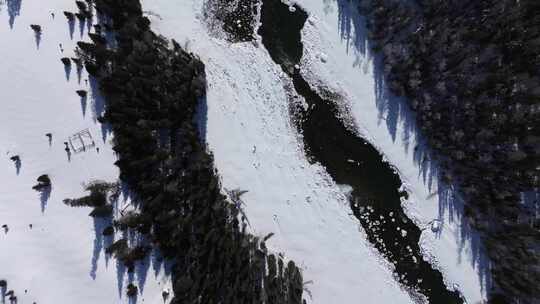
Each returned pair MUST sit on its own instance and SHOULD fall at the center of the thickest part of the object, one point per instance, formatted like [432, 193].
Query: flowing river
[351, 160]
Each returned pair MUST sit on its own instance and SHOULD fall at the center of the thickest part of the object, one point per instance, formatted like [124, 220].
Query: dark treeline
[151, 91]
[470, 70]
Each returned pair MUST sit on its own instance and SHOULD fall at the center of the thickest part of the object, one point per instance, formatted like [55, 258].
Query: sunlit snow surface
[61, 258]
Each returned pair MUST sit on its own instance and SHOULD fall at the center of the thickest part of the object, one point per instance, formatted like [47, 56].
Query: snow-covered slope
[335, 33]
[60, 259]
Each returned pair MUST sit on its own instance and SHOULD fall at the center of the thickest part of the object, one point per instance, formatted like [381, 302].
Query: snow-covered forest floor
[60, 258]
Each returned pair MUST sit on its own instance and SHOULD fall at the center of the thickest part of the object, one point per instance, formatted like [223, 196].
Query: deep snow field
[247, 126]
[61, 259]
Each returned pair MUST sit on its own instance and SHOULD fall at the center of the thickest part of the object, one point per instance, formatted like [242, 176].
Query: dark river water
[350, 160]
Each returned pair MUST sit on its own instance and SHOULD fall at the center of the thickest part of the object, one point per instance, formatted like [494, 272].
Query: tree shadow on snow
[89, 22]
[44, 195]
[3, 291]
[98, 106]
[18, 166]
[394, 111]
[79, 72]
[142, 266]
[14, 10]
[139, 273]
[67, 70]
[71, 26]
[120, 273]
[82, 25]
[451, 208]
[84, 101]
[127, 193]
[101, 242]
[37, 37]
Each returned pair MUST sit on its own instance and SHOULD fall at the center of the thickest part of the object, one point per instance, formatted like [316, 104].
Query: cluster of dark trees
[471, 72]
[84, 13]
[151, 91]
[97, 199]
